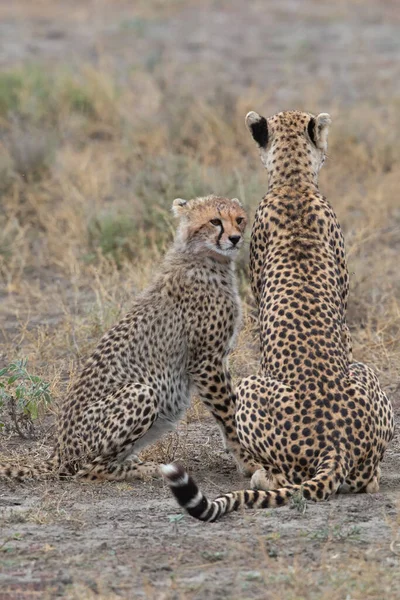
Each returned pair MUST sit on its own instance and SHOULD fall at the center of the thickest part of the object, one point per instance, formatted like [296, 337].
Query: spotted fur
[176, 339]
[317, 422]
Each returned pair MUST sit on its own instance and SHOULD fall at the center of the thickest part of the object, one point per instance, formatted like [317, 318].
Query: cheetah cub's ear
[178, 206]
[318, 129]
[258, 127]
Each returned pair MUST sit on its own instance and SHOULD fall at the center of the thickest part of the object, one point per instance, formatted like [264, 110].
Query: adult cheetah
[315, 421]
[177, 337]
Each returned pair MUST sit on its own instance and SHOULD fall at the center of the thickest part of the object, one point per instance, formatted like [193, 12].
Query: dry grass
[86, 190]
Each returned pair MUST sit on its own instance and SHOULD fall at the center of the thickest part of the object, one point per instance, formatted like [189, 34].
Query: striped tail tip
[175, 474]
[186, 492]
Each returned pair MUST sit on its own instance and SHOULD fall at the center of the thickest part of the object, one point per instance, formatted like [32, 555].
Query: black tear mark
[259, 131]
[311, 130]
[220, 236]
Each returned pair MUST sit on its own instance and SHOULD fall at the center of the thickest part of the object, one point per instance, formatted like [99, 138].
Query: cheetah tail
[198, 506]
[45, 470]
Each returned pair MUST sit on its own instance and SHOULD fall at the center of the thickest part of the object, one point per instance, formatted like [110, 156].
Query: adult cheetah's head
[291, 142]
[212, 225]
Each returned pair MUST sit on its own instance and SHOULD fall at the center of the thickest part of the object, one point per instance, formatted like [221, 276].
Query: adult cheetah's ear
[318, 129]
[178, 206]
[258, 127]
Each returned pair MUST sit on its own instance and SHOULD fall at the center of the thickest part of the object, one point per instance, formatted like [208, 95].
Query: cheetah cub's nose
[234, 239]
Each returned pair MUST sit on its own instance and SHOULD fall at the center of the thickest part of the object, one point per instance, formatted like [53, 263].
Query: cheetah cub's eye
[239, 220]
[216, 222]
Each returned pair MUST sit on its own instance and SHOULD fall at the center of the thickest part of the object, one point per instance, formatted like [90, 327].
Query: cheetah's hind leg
[113, 470]
[356, 481]
[265, 480]
[125, 420]
[372, 402]
[347, 342]
[259, 398]
[372, 486]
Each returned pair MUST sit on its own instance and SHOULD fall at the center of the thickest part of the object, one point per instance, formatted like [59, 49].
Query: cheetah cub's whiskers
[175, 340]
[317, 422]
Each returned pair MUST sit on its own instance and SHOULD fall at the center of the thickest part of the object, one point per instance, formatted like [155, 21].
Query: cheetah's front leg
[213, 384]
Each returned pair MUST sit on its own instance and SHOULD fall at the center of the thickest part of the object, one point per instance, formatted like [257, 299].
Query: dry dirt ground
[105, 541]
[130, 541]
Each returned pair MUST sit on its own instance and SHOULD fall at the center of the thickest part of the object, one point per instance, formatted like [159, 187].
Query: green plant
[213, 556]
[31, 150]
[76, 97]
[9, 229]
[136, 25]
[337, 532]
[22, 396]
[299, 502]
[113, 235]
[10, 86]
[174, 520]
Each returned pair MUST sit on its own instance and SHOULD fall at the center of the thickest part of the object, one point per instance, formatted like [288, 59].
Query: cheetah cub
[175, 340]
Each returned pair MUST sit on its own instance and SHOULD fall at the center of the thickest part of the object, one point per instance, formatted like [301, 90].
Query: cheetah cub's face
[212, 225]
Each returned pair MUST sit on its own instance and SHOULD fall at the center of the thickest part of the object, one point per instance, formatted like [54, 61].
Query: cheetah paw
[261, 481]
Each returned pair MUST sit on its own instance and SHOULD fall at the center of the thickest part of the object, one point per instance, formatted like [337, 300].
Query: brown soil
[71, 540]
